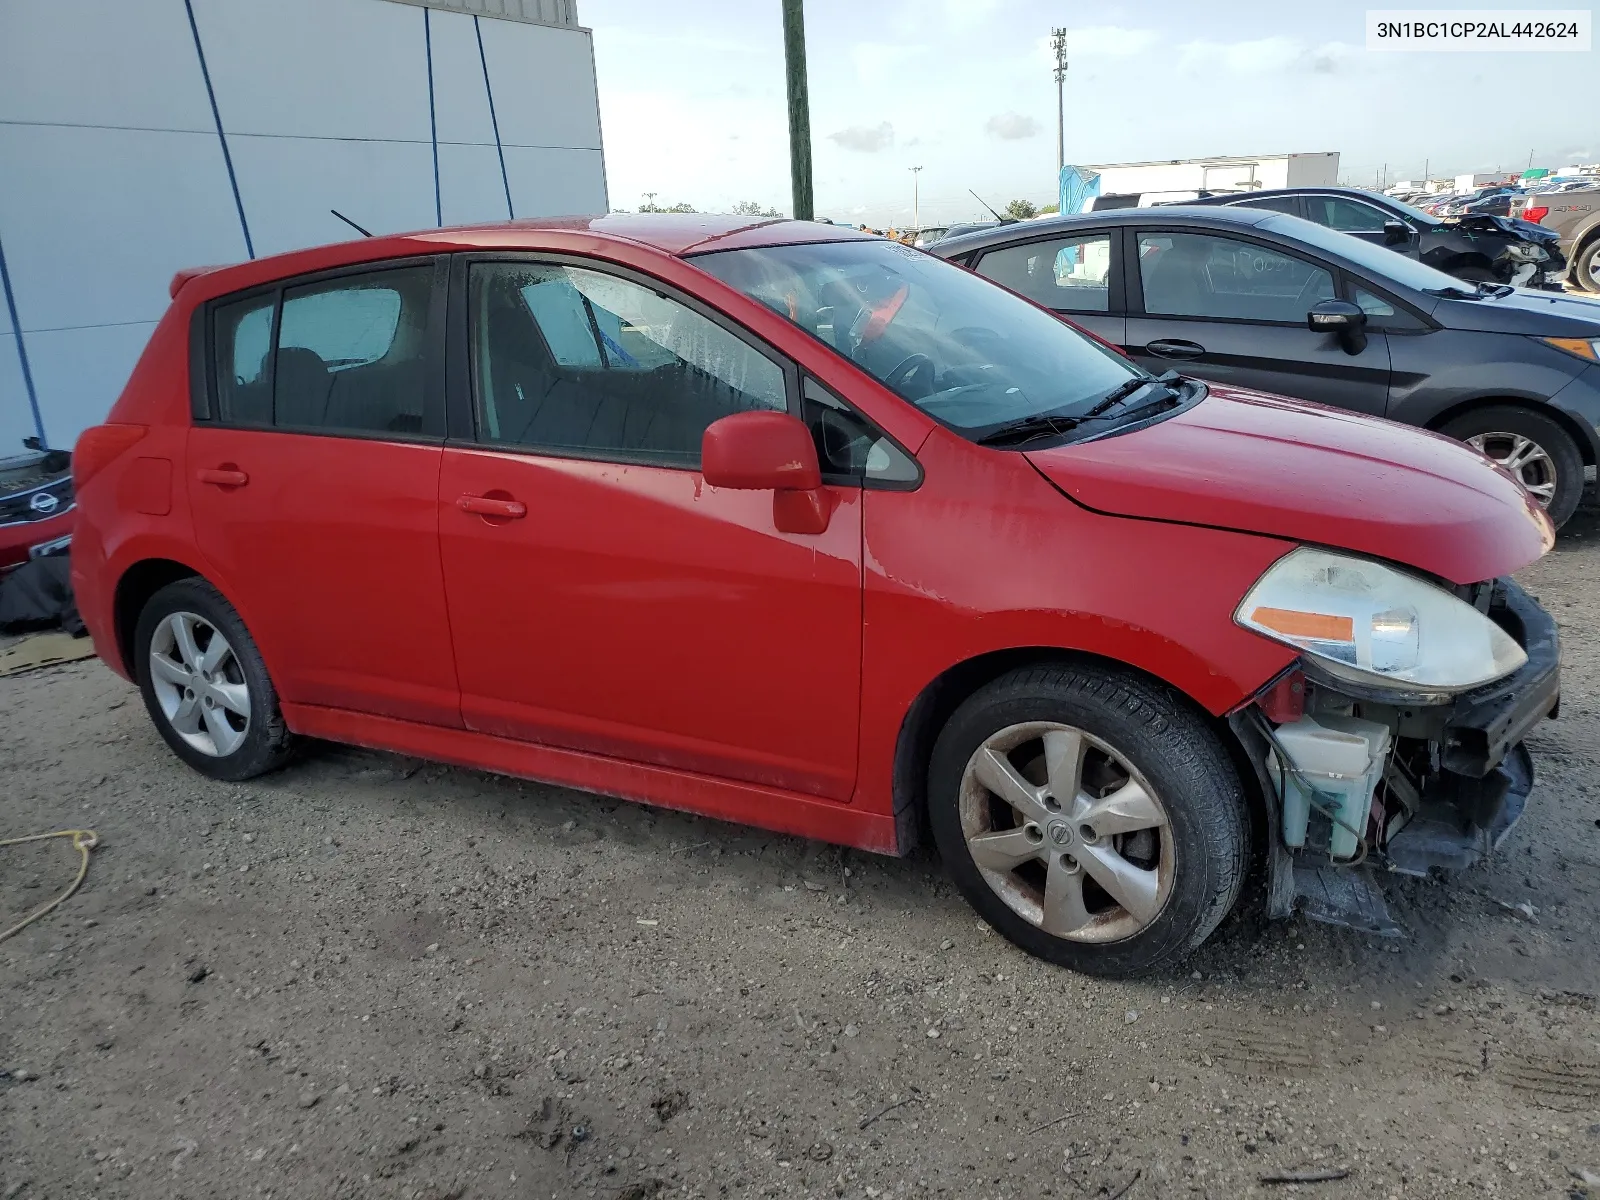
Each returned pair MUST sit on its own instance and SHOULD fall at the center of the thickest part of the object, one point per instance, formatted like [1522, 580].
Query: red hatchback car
[788, 525]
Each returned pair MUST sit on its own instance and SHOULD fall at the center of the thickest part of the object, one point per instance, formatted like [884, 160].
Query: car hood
[1536, 313]
[1269, 465]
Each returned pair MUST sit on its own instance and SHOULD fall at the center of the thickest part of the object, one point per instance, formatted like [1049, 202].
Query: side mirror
[1396, 233]
[1342, 318]
[761, 451]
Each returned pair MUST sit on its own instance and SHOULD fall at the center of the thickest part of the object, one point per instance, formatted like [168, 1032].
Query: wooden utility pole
[794, 57]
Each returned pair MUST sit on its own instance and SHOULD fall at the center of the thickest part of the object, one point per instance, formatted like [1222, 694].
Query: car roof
[676, 234]
[1330, 190]
[1043, 226]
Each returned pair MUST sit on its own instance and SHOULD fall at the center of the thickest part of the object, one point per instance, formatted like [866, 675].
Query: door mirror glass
[1395, 233]
[760, 451]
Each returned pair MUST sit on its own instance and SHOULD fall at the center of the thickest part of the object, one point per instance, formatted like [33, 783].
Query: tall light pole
[916, 200]
[1058, 43]
[794, 58]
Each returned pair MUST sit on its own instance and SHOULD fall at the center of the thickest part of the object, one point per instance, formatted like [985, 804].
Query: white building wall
[114, 177]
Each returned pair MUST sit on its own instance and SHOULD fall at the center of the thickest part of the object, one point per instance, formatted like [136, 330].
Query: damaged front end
[1365, 776]
[1517, 255]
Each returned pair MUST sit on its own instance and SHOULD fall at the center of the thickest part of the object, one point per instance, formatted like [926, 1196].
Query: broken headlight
[1371, 624]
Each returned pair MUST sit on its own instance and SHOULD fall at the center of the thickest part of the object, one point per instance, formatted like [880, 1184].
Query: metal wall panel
[114, 173]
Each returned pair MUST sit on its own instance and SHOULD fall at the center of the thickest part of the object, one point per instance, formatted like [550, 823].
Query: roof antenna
[997, 216]
[349, 222]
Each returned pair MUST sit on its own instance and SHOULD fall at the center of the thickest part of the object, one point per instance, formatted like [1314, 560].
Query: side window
[1283, 204]
[1064, 273]
[573, 361]
[352, 351]
[849, 449]
[1346, 215]
[1196, 275]
[1383, 313]
[243, 339]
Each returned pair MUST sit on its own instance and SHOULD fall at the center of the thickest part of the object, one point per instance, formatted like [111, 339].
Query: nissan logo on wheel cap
[43, 502]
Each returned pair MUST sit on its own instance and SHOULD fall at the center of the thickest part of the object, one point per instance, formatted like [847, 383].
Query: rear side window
[244, 342]
[1068, 274]
[346, 355]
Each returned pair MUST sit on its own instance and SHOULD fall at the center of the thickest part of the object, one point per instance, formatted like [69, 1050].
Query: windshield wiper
[1493, 290]
[1131, 387]
[1026, 429]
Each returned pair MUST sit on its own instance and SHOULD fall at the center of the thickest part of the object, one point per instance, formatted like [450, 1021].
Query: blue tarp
[1078, 184]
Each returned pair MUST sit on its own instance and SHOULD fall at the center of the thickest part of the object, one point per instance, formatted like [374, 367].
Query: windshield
[967, 352]
[1380, 260]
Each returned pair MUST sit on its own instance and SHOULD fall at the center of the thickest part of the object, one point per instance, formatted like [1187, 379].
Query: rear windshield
[1380, 261]
[968, 353]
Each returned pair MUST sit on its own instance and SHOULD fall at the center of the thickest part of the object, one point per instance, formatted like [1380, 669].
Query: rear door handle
[485, 506]
[223, 476]
[1176, 349]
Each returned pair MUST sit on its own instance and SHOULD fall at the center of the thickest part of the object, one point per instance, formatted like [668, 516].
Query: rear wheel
[1089, 816]
[1533, 448]
[205, 684]
[1586, 267]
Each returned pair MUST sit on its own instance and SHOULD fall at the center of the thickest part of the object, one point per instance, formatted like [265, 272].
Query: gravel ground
[371, 976]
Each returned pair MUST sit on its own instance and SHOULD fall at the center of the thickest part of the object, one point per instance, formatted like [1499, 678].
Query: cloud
[1263, 56]
[1008, 127]
[868, 139]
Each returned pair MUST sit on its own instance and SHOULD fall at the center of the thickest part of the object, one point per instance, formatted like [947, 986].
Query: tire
[1586, 267]
[1185, 874]
[220, 715]
[1554, 474]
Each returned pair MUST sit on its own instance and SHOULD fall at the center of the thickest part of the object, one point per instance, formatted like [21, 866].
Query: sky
[692, 98]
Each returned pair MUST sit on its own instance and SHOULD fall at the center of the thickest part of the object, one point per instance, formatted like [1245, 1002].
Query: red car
[788, 525]
[36, 507]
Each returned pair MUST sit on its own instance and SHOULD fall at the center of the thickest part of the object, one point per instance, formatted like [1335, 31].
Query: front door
[603, 598]
[315, 489]
[1234, 312]
[1076, 275]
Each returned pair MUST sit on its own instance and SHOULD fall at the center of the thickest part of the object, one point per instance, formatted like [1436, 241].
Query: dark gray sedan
[1265, 300]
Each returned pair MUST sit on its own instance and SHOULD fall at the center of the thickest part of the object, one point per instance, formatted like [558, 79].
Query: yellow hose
[83, 841]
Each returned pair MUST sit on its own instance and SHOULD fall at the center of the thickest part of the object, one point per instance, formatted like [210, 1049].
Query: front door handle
[487, 506]
[222, 476]
[1176, 349]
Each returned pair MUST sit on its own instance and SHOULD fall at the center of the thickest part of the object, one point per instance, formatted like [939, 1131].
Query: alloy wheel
[199, 683]
[1524, 458]
[1067, 832]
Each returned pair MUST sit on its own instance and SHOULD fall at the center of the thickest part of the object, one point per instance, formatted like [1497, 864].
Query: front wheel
[205, 684]
[1090, 817]
[1531, 446]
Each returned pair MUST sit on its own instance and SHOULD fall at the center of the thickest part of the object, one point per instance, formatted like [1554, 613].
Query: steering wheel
[909, 369]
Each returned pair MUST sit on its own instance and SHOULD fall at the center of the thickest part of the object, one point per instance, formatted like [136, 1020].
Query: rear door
[604, 599]
[1233, 310]
[314, 482]
[1078, 275]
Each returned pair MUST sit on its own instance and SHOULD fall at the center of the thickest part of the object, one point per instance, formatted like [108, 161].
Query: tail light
[1535, 214]
[98, 447]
